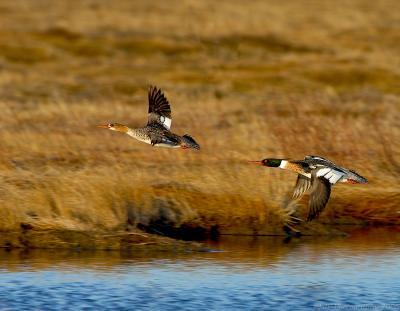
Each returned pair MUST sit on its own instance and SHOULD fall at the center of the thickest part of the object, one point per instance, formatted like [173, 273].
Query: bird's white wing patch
[330, 174]
[335, 178]
[323, 171]
[166, 122]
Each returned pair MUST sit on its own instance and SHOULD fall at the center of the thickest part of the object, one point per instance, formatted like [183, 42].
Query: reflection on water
[252, 273]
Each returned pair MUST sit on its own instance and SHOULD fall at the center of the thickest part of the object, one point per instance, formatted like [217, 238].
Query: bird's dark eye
[111, 125]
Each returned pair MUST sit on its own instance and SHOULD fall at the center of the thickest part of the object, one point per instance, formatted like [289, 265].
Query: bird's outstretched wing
[317, 161]
[159, 109]
[319, 196]
[303, 183]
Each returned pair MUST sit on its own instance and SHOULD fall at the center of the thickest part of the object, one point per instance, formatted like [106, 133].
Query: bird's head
[115, 127]
[268, 162]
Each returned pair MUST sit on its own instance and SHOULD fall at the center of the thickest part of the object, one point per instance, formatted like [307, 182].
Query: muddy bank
[94, 240]
[181, 239]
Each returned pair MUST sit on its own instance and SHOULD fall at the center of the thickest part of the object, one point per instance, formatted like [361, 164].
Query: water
[361, 271]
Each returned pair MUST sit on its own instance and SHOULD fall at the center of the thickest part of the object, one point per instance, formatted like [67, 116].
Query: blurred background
[270, 79]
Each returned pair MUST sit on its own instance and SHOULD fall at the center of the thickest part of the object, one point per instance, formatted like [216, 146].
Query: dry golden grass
[269, 79]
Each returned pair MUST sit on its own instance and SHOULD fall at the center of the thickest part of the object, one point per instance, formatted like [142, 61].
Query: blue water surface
[360, 271]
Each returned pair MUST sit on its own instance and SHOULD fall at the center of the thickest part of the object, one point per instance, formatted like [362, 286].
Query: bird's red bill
[255, 162]
[103, 126]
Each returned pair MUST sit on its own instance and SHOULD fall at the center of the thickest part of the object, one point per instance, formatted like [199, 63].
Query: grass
[251, 84]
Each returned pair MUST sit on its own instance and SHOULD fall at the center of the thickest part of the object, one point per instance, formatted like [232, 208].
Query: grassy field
[248, 81]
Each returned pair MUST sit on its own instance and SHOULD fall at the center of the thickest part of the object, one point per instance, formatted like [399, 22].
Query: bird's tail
[189, 142]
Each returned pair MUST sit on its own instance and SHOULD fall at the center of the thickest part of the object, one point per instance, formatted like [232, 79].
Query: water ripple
[334, 274]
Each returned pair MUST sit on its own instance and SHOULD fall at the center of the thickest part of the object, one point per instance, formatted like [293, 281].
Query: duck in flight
[316, 175]
[157, 131]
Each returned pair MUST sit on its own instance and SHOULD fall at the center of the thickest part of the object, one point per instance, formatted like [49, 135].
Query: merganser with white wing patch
[316, 174]
[157, 131]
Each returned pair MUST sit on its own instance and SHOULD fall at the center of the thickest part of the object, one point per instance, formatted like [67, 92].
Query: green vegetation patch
[24, 54]
[75, 43]
[344, 79]
[147, 46]
[269, 43]
[126, 88]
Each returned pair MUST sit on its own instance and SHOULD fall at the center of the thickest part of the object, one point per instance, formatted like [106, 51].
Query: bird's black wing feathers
[319, 196]
[318, 161]
[159, 108]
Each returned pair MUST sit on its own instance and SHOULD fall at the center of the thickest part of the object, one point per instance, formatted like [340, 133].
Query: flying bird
[157, 131]
[316, 175]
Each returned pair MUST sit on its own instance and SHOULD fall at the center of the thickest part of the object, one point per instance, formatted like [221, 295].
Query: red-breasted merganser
[157, 131]
[317, 175]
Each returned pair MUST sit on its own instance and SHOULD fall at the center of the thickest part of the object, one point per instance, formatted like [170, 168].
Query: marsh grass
[254, 88]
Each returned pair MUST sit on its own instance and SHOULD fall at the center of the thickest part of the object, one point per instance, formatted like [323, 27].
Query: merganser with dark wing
[317, 175]
[157, 131]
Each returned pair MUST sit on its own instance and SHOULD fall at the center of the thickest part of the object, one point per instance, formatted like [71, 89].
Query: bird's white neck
[283, 164]
[132, 133]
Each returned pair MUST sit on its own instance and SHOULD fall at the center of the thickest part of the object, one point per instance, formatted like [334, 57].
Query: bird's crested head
[268, 162]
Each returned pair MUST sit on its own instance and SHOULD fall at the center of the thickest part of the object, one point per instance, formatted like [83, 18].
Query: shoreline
[141, 241]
